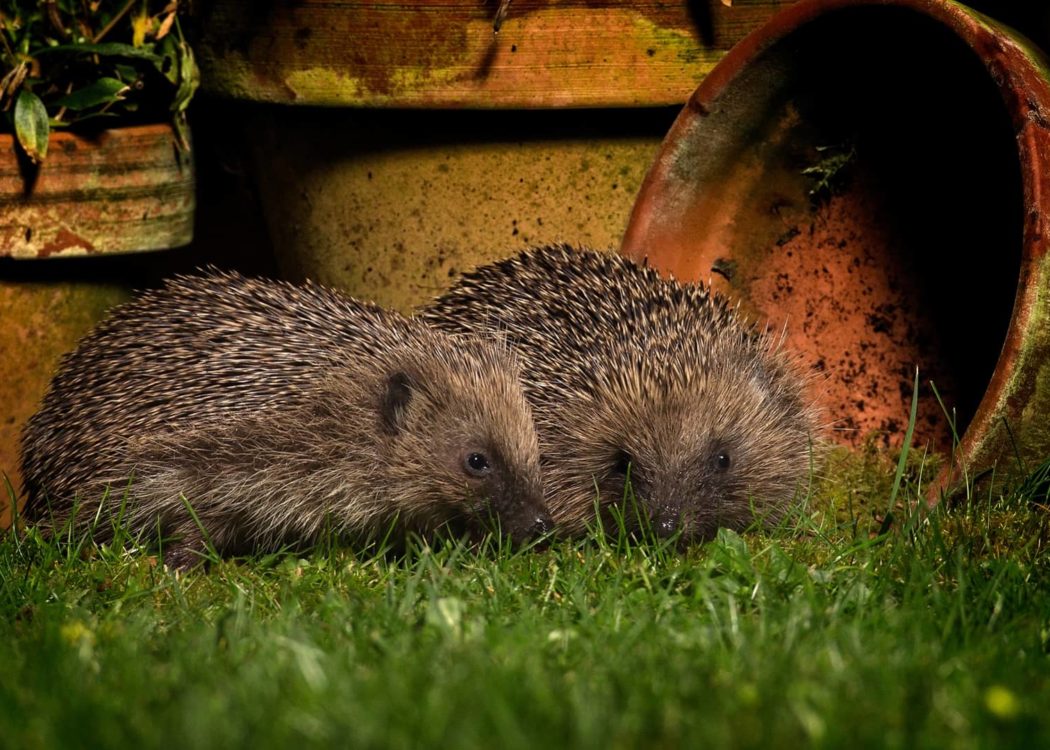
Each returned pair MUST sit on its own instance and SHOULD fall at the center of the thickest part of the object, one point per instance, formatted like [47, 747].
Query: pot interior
[857, 184]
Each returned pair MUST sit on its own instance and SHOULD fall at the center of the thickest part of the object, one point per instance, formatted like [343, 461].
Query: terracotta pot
[378, 53]
[124, 190]
[42, 320]
[373, 203]
[875, 176]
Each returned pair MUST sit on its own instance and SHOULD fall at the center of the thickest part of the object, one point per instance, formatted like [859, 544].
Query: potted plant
[94, 146]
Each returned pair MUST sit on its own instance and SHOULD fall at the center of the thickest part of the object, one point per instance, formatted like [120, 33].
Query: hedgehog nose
[542, 524]
[666, 523]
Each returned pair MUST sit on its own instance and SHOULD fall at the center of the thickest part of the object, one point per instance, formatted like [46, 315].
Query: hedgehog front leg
[186, 549]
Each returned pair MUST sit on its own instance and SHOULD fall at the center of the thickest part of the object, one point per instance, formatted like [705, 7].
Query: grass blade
[905, 450]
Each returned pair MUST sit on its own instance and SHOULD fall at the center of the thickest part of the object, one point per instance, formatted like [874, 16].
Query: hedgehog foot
[186, 553]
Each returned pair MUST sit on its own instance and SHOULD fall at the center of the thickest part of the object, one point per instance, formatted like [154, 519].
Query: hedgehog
[253, 415]
[647, 392]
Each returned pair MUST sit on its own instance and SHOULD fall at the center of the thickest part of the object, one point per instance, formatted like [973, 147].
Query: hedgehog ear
[394, 404]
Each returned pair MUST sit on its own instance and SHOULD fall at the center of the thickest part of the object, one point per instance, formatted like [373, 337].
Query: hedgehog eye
[622, 463]
[723, 461]
[477, 464]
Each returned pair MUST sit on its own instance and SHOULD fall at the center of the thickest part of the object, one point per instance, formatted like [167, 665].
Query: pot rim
[147, 128]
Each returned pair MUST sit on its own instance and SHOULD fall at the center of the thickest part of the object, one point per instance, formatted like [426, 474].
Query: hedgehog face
[473, 446]
[497, 493]
[712, 452]
[741, 454]
[687, 489]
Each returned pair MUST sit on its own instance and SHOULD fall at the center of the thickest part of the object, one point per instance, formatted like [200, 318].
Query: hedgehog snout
[665, 521]
[530, 526]
[542, 524]
[522, 512]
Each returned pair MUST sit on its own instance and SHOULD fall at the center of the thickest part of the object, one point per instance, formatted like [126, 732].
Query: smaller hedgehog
[631, 374]
[277, 412]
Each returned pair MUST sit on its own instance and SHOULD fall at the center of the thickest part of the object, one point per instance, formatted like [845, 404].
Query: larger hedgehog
[277, 412]
[628, 372]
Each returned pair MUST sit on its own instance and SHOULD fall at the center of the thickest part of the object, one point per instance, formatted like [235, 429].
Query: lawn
[844, 628]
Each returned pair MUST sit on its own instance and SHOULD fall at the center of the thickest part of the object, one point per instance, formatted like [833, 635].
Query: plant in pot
[94, 146]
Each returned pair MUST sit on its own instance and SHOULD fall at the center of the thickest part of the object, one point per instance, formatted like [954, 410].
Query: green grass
[935, 634]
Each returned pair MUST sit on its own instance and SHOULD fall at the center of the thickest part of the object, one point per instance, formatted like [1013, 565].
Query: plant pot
[389, 203]
[874, 175]
[425, 54]
[371, 202]
[42, 321]
[123, 190]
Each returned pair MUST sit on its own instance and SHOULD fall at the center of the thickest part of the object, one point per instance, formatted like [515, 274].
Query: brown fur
[276, 411]
[627, 369]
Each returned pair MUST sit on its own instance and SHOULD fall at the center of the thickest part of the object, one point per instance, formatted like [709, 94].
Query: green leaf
[127, 73]
[189, 76]
[102, 91]
[902, 462]
[182, 131]
[168, 49]
[31, 127]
